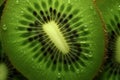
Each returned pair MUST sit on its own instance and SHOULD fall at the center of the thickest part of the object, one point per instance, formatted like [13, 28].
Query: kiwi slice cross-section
[53, 39]
[7, 70]
[110, 10]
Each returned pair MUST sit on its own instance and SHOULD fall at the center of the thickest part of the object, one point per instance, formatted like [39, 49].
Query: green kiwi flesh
[7, 70]
[110, 10]
[53, 39]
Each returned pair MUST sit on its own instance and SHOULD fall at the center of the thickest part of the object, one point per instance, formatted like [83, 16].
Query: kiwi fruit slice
[110, 10]
[7, 70]
[53, 39]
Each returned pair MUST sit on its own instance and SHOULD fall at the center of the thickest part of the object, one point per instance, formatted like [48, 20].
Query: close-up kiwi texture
[7, 70]
[53, 39]
[110, 12]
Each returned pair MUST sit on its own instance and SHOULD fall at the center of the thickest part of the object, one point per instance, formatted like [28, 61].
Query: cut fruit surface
[110, 10]
[53, 39]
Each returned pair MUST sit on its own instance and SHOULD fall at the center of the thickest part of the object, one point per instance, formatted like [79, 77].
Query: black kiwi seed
[34, 13]
[51, 41]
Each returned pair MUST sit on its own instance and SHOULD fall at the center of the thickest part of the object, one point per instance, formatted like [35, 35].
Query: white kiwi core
[117, 53]
[53, 31]
[3, 71]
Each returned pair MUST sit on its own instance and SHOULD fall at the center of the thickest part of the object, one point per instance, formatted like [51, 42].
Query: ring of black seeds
[115, 67]
[35, 33]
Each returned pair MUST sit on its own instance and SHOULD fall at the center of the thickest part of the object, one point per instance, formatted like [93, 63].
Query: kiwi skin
[2, 5]
[1, 2]
[110, 11]
[24, 62]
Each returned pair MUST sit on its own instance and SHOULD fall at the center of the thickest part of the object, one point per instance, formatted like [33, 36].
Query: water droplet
[111, 10]
[77, 71]
[17, 1]
[4, 27]
[68, 1]
[32, 59]
[85, 26]
[81, 70]
[91, 22]
[91, 7]
[119, 7]
[21, 12]
[33, 67]
[14, 41]
[59, 75]
[69, 67]
[89, 55]
[16, 28]
[22, 51]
